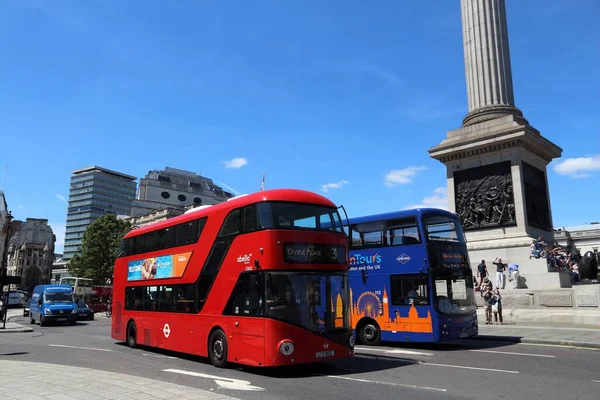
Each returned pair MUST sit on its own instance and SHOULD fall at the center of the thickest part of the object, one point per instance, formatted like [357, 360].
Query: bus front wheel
[131, 335]
[217, 349]
[370, 334]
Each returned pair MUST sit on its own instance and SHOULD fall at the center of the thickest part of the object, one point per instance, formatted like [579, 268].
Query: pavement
[84, 358]
[71, 383]
[582, 336]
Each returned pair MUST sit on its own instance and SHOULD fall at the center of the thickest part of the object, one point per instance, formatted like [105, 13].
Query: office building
[93, 193]
[176, 189]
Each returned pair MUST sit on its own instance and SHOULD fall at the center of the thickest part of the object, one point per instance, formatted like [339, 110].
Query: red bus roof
[294, 195]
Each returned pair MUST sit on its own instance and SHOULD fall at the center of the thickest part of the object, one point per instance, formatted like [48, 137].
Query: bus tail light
[286, 347]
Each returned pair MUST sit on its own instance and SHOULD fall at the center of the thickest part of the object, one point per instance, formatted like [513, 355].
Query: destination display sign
[453, 260]
[314, 253]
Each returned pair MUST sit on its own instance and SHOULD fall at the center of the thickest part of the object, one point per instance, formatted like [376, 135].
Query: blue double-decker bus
[410, 277]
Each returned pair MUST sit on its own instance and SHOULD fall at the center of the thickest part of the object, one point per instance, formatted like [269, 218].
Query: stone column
[487, 61]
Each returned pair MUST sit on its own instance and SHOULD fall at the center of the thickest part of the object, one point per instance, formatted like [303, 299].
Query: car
[84, 311]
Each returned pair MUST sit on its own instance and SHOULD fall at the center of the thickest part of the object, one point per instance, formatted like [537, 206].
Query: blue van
[52, 303]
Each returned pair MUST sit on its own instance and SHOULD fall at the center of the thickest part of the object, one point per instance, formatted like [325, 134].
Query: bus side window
[408, 289]
[249, 219]
[247, 297]
[232, 224]
[264, 211]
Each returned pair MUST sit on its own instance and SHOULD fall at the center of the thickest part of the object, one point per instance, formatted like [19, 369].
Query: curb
[19, 329]
[517, 339]
[16, 330]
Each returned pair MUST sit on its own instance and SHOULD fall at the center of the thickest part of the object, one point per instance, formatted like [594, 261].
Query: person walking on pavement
[500, 268]
[482, 272]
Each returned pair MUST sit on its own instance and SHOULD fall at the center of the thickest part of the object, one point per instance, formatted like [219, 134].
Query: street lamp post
[4, 270]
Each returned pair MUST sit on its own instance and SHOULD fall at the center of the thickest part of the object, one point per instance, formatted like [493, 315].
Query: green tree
[99, 249]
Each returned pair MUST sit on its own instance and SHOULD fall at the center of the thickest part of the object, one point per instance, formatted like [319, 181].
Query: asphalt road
[467, 370]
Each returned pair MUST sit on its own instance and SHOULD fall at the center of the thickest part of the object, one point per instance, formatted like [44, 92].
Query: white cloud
[238, 162]
[439, 199]
[401, 176]
[336, 185]
[61, 198]
[59, 228]
[578, 167]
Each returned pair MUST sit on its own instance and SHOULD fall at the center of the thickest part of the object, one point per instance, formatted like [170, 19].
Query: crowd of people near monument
[558, 258]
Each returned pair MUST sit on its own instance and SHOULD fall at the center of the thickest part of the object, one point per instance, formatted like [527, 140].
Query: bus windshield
[443, 228]
[454, 292]
[306, 216]
[313, 301]
[58, 297]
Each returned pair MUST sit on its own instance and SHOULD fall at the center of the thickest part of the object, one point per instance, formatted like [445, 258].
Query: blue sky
[341, 97]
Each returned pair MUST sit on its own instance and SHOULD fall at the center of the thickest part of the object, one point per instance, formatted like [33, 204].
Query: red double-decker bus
[259, 280]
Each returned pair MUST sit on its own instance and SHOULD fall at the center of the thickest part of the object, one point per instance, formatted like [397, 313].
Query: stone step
[584, 297]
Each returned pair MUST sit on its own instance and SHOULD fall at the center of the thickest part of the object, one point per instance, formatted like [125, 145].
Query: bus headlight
[351, 341]
[286, 348]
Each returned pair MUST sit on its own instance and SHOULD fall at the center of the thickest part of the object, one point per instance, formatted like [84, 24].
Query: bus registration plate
[464, 334]
[61, 319]
[322, 354]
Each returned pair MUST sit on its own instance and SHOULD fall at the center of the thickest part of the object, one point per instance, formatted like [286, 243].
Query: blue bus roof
[53, 288]
[413, 212]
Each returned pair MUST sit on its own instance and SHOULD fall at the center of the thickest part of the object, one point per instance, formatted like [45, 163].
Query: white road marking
[510, 353]
[595, 381]
[387, 383]
[563, 346]
[466, 367]
[395, 351]
[225, 383]
[158, 356]
[78, 347]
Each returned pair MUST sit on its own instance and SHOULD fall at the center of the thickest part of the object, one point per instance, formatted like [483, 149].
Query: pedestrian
[513, 274]
[487, 303]
[482, 272]
[497, 306]
[500, 268]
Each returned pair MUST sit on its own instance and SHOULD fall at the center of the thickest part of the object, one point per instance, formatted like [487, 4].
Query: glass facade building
[93, 193]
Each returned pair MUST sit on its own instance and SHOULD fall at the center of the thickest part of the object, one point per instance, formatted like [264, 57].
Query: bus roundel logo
[166, 330]
[403, 258]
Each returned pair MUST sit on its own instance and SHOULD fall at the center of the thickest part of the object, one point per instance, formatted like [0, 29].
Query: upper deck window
[166, 238]
[307, 216]
[443, 228]
[397, 232]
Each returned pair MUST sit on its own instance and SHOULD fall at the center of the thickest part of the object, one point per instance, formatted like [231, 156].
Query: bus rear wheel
[217, 349]
[370, 334]
[131, 335]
